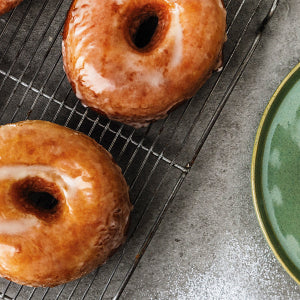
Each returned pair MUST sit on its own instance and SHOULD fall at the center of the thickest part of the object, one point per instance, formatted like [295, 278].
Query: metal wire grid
[154, 160]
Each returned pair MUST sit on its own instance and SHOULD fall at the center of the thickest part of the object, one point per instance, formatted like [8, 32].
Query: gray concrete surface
[209, 245]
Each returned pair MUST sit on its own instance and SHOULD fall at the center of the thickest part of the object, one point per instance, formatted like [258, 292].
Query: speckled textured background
[209, 245]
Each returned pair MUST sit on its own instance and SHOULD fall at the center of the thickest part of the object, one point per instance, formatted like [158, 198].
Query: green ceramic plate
[276, 173]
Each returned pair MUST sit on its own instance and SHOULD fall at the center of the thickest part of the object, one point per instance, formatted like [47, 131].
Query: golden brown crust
[135, 86]
[93, 209]
[7, 5]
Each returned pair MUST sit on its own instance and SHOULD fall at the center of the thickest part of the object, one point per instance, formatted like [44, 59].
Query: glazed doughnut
[133, 60]
[64, 204]
[7, 5]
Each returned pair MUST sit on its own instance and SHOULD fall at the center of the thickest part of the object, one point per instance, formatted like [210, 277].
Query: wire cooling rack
[154, 160]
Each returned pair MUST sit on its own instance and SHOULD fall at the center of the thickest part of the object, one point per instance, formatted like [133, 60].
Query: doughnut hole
[36, 196]
[147, 26]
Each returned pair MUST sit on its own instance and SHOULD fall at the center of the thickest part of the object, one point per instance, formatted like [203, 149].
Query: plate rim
[253, 170]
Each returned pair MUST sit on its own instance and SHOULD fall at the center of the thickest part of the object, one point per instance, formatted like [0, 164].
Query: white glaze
[94, 80]
[19, 226]
[221, 4]
[77, 92]
[68, 185]
[154, 78]
[177, 36]
[6, 250]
